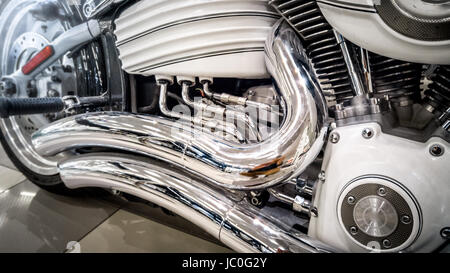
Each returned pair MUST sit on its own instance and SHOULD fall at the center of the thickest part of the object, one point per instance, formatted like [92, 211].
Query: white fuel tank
[212, 38]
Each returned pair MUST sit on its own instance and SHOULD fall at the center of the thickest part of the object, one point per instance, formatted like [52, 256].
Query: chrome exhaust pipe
[223, 214]
[231, 165]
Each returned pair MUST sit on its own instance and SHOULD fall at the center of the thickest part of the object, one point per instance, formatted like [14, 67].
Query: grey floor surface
[34, 220]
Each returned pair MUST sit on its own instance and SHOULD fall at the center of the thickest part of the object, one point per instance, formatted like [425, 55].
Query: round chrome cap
[375, 216]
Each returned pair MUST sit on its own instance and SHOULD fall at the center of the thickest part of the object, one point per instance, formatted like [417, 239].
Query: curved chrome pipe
[232, 165]
[234, 222]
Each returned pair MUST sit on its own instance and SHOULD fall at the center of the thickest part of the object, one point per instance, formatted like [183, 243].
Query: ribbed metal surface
[211, 38]
[394, 77]
[439, 89]
[318, 36]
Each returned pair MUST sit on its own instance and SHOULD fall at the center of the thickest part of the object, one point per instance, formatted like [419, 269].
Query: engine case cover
[211, 38]
[415, 182]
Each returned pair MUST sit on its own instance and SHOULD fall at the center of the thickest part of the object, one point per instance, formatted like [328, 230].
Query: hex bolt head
[368, 133]
[334, 138]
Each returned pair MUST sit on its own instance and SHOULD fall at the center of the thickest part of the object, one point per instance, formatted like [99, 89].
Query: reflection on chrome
[283, 155]
[224, 215]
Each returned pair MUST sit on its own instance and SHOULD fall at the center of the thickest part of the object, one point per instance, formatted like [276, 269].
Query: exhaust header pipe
[227, 217]
[231, 165]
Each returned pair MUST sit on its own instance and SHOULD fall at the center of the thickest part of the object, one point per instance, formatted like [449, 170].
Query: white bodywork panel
[410, 163]
[212, 38]
[370, 32]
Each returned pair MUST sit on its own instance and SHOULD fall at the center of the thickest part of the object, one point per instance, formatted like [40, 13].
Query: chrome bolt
[381, 191]
[52, 93]
[353, 230]
[255, 201]
[436, 150]
[334, 138]
[351, 200]
[368, 133]
[445, 233]
[406, 219]
[7, 87]
[387, 243]
[322, 176]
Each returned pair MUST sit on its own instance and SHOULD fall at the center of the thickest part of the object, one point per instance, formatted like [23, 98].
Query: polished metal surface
[375, 216]
[222, 112]
[226, 216]
[212, 124]
[355, 78]
[233, 165]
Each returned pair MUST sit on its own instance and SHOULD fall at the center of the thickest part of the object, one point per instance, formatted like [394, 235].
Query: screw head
[52, 93]
[351, 200]
[353, 230]
[445, 233]
[322, 176]
[437, 150]
[7, 87]
[368, 133]
[55, 79]
[381, 191]
[406, 219]
[334, 138]
[387, 243]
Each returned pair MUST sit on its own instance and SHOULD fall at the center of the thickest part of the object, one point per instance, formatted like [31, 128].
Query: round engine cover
[211, 38]
[378, 213]
[414, 30]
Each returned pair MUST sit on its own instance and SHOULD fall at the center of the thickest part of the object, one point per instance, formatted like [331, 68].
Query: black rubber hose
[29, 106]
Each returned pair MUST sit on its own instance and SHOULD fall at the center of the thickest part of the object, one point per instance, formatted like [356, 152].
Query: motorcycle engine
[371, 194]
[384, 179]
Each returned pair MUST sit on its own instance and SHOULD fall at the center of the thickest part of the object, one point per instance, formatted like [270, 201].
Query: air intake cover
[414, 31]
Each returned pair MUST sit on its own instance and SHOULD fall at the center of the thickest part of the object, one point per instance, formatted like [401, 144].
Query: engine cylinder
[217, 38]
